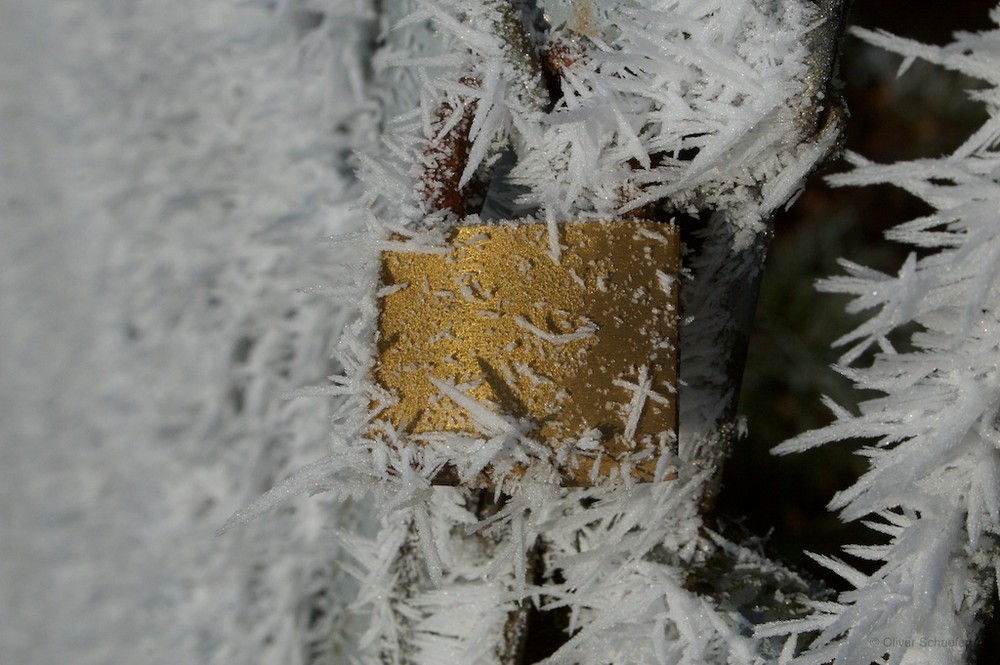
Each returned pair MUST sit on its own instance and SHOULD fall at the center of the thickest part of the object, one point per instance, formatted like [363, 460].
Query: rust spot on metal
[446, 157]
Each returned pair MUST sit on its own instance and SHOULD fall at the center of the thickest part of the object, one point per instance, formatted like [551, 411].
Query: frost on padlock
[578, 357]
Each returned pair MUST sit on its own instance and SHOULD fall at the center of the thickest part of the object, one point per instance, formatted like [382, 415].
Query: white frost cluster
[679, 100]
[933, 484]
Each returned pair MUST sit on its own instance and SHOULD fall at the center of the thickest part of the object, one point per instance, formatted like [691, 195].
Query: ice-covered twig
[931, 488]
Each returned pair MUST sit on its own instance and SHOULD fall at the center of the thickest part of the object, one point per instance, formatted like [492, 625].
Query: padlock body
[580, 348]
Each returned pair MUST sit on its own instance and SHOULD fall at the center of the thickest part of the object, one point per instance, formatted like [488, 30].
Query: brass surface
[564, 346]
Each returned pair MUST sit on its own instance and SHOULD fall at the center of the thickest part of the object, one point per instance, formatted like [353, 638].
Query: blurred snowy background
[168, 174]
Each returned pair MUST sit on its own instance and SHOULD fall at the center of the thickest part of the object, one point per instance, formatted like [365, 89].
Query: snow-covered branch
[933, 484]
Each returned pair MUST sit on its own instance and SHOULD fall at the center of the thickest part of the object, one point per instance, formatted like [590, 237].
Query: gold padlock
[585, 347]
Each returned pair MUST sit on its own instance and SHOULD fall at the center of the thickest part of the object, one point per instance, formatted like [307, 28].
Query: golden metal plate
[585, 344]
